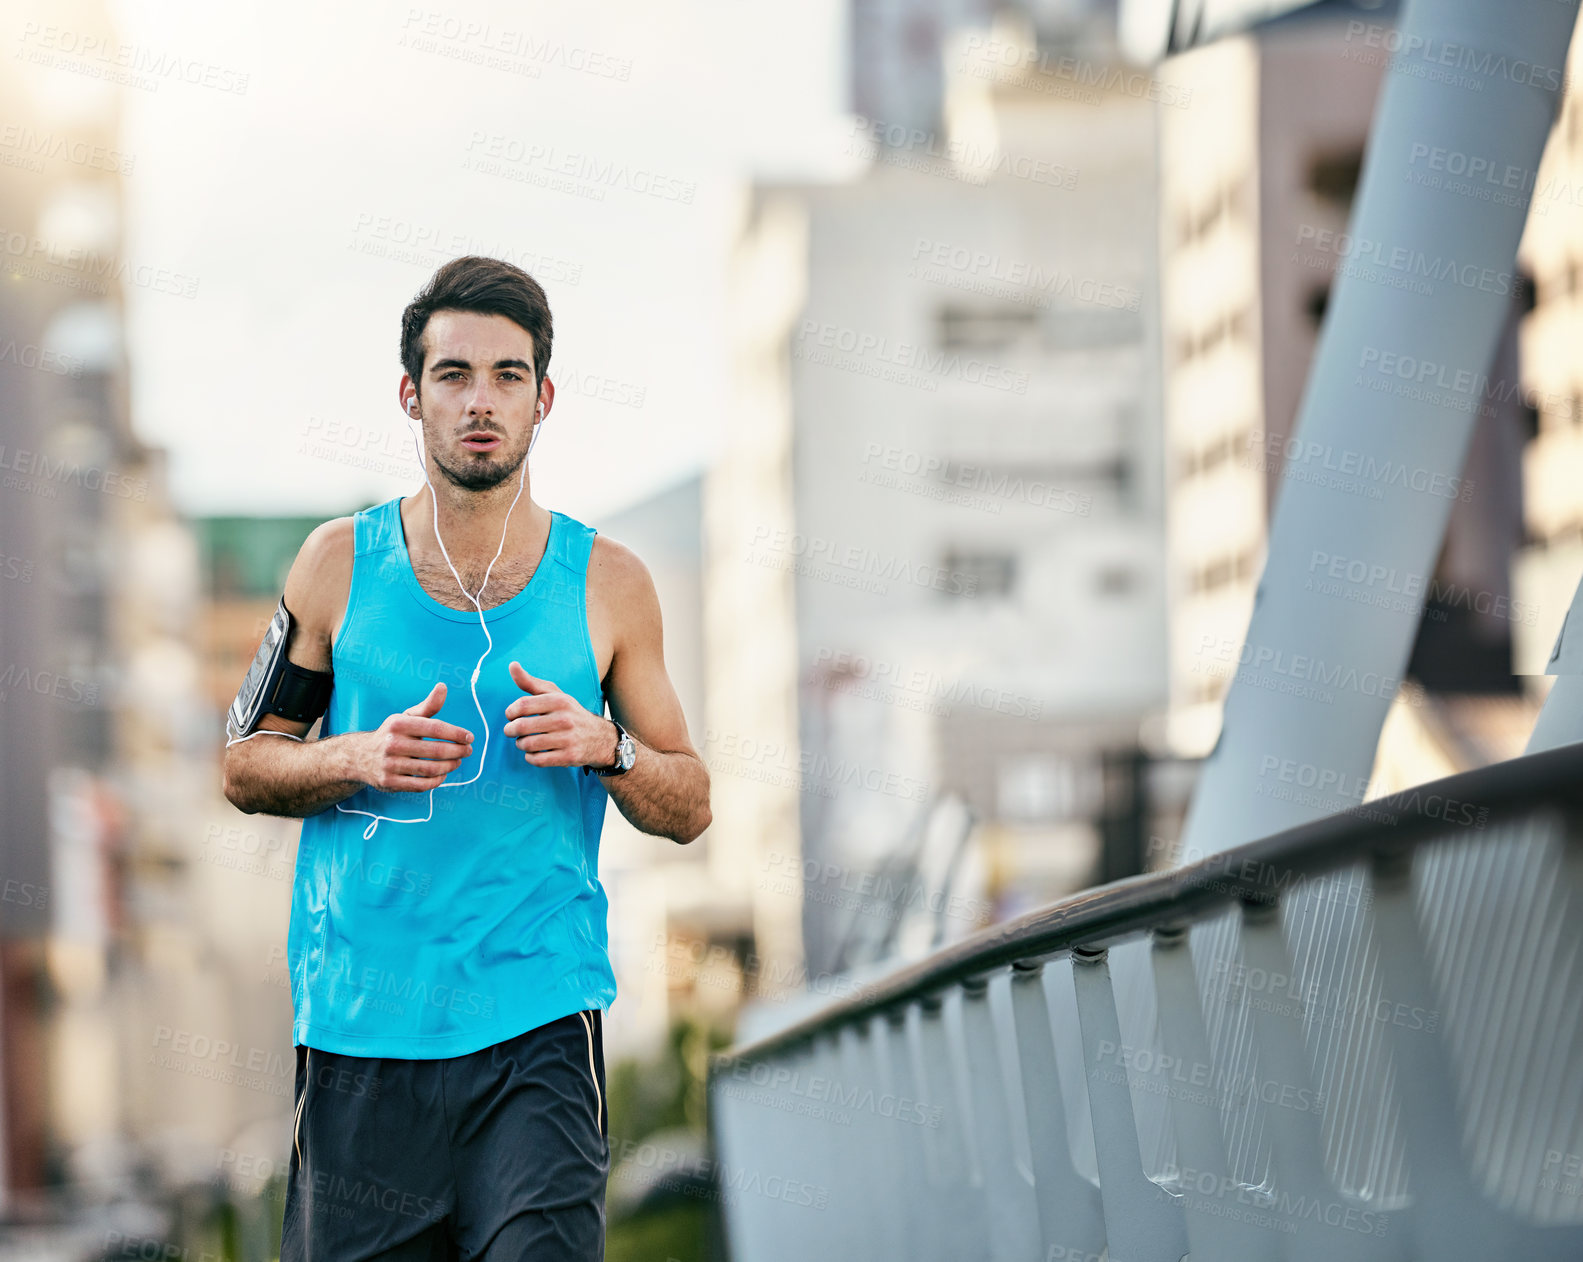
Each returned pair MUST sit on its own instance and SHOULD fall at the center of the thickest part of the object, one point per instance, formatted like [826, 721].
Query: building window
[1198, 222]
[1225, 571]
[1333, 177]
[978, 574]
[1232, 326]
[963, 328]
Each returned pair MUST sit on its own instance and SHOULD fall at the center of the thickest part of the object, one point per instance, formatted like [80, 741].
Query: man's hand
[412, 751]
[554, 729]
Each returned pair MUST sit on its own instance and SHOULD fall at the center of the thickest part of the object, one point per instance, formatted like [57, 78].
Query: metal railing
[1360, 1038]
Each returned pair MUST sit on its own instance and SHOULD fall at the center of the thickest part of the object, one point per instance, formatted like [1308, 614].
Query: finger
[532, 724]
[439, 751]
[550, 758]
[436, 729]
[422, 768]
[530, 683]
[542, 743]
[430, 704]
[413, 784]
[539, 703]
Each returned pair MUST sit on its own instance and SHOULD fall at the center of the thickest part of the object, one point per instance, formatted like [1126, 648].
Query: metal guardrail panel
[1362, 1038]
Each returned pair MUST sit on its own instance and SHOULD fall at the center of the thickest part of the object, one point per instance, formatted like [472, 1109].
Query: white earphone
[413, 414]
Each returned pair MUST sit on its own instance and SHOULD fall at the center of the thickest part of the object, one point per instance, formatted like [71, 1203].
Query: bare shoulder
[621, 587]
[321, 578]
[617, 569]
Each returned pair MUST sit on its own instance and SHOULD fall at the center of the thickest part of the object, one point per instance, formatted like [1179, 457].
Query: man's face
[478, 397]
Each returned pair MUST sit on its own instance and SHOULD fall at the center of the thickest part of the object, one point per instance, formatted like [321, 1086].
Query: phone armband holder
[275, 685]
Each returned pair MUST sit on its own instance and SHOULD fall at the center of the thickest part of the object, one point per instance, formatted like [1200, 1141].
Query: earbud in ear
[412, 407]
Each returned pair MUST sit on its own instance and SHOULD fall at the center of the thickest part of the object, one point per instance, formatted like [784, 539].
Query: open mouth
[481, 440]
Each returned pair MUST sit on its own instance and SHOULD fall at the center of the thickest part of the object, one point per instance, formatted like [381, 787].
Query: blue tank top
[440, 938]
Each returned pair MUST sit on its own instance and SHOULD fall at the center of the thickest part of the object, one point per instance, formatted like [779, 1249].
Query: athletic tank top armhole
[370, 535]
[585, 547]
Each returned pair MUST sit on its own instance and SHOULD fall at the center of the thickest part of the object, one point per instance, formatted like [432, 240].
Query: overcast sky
[362, 127]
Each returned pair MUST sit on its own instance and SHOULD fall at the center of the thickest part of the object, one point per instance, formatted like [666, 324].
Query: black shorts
[499, 1154]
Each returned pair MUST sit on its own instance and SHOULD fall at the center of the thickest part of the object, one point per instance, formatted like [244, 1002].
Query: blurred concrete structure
[1259, 172]
[1273, 142]
[666, 909]
[98, 684]
[940, 504]
[1551, 562]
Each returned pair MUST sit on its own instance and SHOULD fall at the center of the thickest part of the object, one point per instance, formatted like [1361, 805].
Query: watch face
[626, 752]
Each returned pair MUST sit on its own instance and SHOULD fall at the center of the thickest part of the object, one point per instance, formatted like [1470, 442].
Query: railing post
[1195, 1111]
[908, 1144]
[1071, 1220]
[1143, 1222]
[964, 1232]
[1324, 1225]
[1008, 1183]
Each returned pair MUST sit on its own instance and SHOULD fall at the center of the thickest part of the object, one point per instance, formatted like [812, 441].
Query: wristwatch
[626, 755]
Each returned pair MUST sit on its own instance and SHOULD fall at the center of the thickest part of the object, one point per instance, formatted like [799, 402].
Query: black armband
[276, 685]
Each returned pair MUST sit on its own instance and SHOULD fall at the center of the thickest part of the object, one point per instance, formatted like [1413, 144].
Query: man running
[447, 945]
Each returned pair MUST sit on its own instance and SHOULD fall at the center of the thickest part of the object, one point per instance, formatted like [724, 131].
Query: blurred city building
[667, 911]
[933, 543]
[1256, 185]
[99, 686]
[1551, 560]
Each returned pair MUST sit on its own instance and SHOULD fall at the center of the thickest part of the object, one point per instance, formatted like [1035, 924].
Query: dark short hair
[489, 286]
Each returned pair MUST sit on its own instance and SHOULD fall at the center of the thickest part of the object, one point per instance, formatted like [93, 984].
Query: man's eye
[446, 376]
[511, 376]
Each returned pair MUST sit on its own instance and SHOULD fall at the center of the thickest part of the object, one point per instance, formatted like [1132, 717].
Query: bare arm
[666, 792]
[411, 751]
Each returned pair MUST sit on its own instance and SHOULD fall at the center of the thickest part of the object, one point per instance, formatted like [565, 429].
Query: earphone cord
[477, 604]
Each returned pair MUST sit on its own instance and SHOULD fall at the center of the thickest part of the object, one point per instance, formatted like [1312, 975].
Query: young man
[447, 944]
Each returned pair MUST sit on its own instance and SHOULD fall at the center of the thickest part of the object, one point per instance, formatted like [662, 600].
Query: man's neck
[471, 522]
